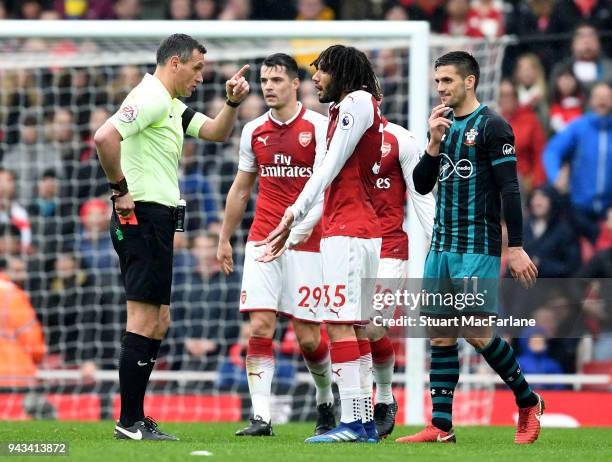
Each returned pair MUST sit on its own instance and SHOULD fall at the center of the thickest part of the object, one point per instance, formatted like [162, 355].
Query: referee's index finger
[241, 72]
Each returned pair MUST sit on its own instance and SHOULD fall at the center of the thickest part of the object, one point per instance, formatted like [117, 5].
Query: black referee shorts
[145, 252]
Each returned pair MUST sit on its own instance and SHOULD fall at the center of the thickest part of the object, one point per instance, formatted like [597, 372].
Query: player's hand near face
[237, 88]
[224, 256]
[124, 205]
[521, 267]
[438, 124]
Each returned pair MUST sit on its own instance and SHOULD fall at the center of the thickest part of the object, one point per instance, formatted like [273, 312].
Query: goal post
[103, 48]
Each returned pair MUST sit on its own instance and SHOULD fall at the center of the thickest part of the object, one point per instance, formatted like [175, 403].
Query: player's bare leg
[383, 361]
[500, 356]
[260, 370]
[315, 351]
[147, 325]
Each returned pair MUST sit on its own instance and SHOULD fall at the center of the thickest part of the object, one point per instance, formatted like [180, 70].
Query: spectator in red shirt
[487, 18]
[530, 138]
[456, 22]
[530, 81]
[566, 98]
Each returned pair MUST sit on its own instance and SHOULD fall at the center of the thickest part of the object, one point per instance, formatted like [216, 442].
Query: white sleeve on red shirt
[356, 115]
[424, 206]
[246, 157]
[314, 215]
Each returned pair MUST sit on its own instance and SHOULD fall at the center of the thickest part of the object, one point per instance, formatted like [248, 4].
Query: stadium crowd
[54, 208]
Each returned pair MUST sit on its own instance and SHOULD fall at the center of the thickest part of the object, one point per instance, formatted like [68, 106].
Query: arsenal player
[351, 232]
[282, 148]
[400, 154]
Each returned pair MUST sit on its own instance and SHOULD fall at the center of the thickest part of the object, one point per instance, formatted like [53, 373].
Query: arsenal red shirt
[399, 156]
[284, 155]
[348, 171]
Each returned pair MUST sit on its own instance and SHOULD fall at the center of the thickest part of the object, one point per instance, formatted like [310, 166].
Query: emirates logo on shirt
[283, 168]
[304, 138]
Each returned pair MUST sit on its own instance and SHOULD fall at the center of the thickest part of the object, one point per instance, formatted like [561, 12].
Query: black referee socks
[136, 361]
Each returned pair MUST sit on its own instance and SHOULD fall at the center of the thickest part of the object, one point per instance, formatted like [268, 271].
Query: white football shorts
[392, 275]
[290, 285]
[350, 266]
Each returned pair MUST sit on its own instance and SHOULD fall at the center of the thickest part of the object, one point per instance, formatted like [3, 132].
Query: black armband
[425, 173]
[231, 103]
[120, 188]
[186, 118]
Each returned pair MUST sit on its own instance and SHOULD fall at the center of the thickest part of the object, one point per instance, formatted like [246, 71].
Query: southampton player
[351, 234]
[399, 156]
[471, 155]
[139, 149]
[282, 148]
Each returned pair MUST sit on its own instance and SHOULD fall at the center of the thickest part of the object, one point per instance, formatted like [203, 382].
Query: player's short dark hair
[464, 62]
[181, 45]
[350, 70]
[282, 60]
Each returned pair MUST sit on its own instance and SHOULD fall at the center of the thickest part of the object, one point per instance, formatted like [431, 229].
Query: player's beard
[457, 99]
[331, 94]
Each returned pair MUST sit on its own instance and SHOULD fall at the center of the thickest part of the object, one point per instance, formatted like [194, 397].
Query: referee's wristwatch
[120, 188]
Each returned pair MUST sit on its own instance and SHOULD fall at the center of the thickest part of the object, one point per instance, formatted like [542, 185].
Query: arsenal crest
[470, 137]
[385, 149]
[243, 297]
[305, 138]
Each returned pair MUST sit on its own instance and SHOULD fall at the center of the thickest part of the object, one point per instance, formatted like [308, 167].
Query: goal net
[57, 87]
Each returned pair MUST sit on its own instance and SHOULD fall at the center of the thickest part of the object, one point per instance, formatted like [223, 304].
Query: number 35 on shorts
[326, 296]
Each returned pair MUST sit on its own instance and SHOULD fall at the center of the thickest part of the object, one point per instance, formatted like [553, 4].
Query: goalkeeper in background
[139, 148]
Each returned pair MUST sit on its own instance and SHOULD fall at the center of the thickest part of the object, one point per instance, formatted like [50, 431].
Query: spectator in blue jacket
[578, 160]
[534, 357]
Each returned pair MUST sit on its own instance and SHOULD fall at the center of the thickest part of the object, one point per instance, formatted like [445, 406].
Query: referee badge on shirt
[470, 137]
[128, 113]
[304, 138]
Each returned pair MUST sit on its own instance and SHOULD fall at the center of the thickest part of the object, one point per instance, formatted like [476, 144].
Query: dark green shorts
[463, 283]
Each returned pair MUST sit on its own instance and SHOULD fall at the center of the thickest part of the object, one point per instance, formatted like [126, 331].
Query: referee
[139, 148]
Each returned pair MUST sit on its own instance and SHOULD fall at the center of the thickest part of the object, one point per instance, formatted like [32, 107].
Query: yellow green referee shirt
[152, 125]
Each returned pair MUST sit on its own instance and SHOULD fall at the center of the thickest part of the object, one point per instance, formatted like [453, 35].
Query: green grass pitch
[94, 442]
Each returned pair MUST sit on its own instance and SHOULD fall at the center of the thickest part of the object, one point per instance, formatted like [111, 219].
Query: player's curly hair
[350, 70]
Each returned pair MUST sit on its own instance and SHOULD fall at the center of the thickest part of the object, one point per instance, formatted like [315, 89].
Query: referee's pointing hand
[237, 88]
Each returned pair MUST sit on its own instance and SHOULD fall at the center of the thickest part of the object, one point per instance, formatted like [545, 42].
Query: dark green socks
[443, 378]
[500, 357]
